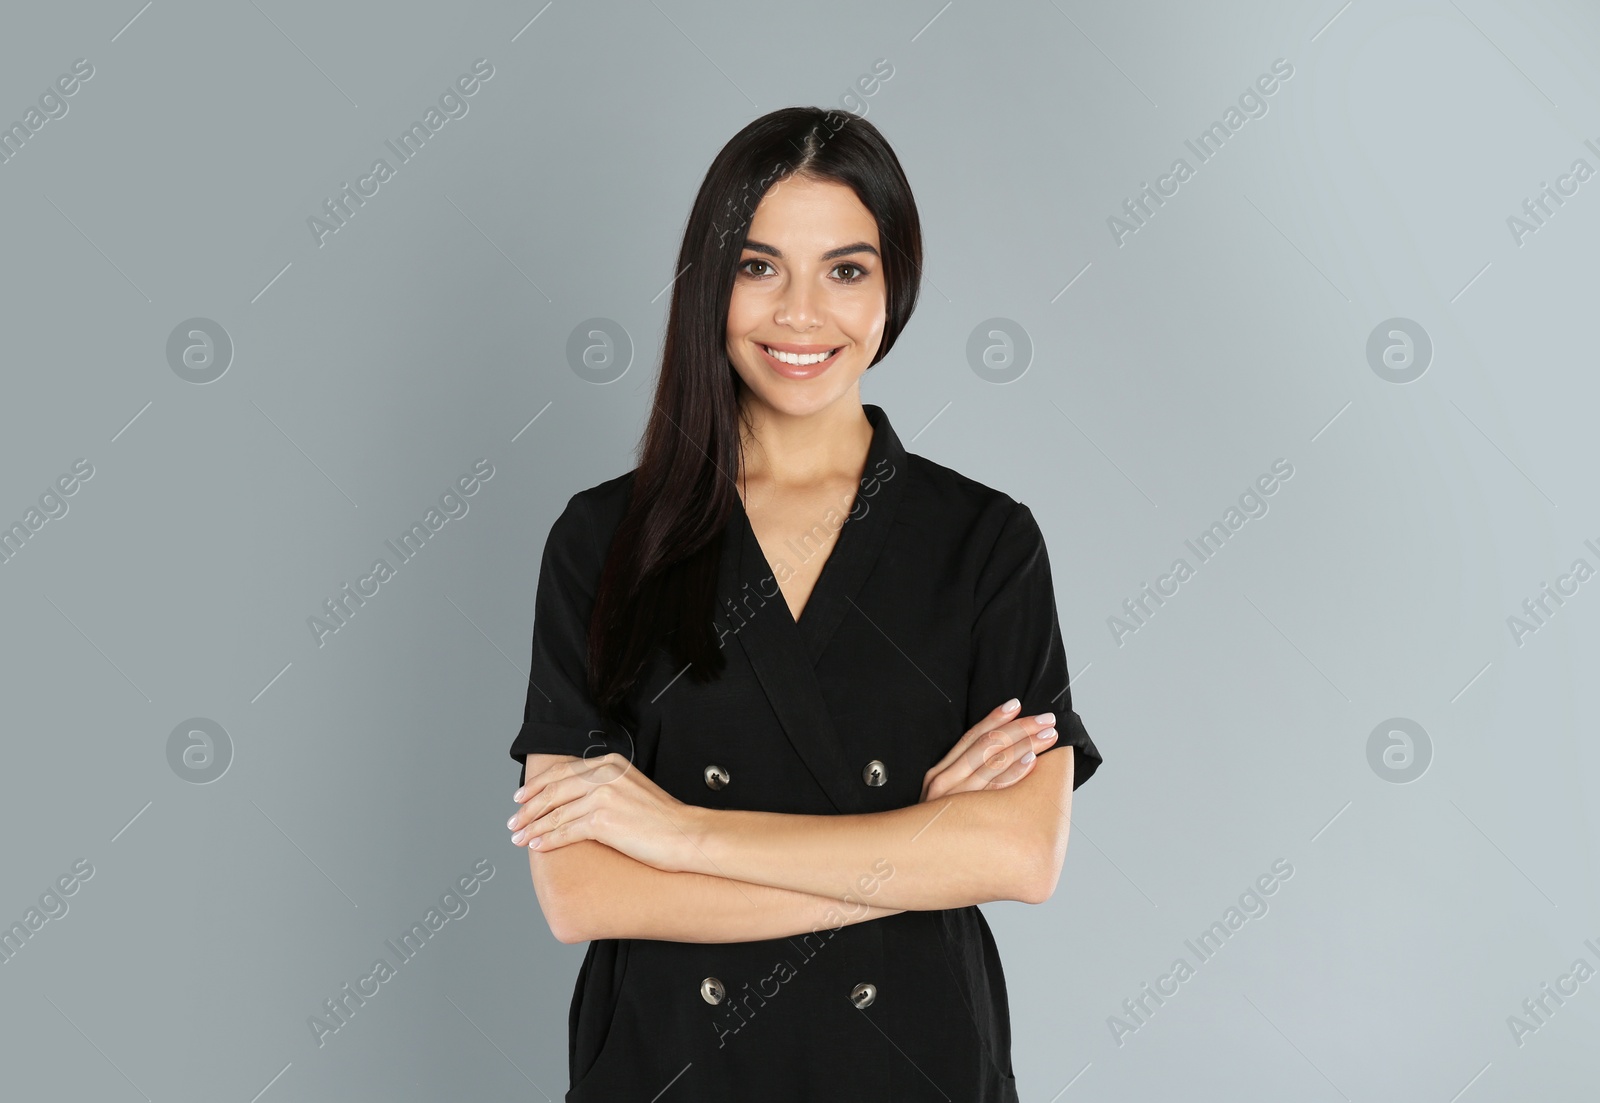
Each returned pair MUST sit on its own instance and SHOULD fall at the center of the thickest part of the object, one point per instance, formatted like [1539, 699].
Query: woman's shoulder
[610, 495]
[940, 498]
[592, 515]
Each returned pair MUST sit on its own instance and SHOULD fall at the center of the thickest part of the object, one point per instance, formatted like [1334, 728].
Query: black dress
[935, 606]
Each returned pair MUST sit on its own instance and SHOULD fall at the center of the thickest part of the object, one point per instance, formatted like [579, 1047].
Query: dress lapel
[861, 540]
[783, 654]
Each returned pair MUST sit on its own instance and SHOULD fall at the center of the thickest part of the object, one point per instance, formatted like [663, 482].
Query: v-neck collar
[784, 654]
[855, 551]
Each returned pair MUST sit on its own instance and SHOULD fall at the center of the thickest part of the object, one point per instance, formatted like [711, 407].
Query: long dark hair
[659, 580]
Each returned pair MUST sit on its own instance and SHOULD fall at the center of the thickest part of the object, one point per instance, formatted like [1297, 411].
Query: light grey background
[1168, 372]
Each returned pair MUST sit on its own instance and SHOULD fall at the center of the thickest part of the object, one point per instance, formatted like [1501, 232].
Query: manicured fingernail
[1046, 718]
[519, 794]
[519, 836]
[512, 822]
[1011, 705]
[1029, 757]
[536, 839]
[1048, 734]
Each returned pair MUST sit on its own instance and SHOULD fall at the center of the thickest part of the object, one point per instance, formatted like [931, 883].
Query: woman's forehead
[808, 217]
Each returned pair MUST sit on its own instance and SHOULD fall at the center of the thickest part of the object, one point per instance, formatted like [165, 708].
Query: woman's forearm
[950, 852]
[588, 891]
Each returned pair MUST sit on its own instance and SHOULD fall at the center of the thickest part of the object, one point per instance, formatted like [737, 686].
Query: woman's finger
[997, 716]
[549, 797]
[1017, 761]
[602, 769]
[541, 828]
[535, 783]
[574, 796]
[1015, 772]
[986, 751]
[1017, 737]
[994, 750]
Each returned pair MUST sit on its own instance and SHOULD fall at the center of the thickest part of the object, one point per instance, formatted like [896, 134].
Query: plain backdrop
[1341, 286]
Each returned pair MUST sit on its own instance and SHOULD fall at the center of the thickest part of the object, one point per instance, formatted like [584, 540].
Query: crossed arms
[739, 876]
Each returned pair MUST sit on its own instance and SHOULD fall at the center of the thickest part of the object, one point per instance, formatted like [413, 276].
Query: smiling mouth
[796, 360]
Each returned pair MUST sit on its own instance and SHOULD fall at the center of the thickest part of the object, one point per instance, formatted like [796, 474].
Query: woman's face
[810, 282]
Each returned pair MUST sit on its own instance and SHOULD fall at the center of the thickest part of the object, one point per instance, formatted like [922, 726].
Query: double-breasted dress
[934, 606]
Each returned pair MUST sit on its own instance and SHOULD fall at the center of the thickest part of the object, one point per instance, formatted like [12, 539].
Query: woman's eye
[859, 272]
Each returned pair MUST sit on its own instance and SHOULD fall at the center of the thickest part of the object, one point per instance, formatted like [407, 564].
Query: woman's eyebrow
[831, 254]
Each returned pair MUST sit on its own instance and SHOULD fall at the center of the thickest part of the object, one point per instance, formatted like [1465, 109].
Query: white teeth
[799, 361]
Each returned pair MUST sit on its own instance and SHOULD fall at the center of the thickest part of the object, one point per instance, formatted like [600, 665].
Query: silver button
[863, 994]
[875, 773]
[711, 990]
[716, 776]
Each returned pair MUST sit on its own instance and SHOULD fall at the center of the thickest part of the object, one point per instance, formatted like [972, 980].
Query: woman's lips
[797, 371]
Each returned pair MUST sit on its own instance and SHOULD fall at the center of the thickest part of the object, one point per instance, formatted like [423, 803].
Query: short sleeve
[560, 716]
[1016, 640]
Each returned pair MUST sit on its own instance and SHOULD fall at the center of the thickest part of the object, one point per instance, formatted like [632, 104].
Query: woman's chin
[797, 398]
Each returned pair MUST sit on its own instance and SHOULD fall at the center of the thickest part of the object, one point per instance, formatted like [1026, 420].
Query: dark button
[875, 773]
[711, 990]
[716, 776]
[863, 994]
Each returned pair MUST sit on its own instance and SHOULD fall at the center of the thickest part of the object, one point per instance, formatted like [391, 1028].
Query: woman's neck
[782, 450]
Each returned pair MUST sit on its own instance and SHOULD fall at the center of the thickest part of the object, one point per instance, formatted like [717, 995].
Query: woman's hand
[607, 800]
[993, 754]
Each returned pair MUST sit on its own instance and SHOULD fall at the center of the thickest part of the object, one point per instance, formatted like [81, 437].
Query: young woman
[770, 764]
